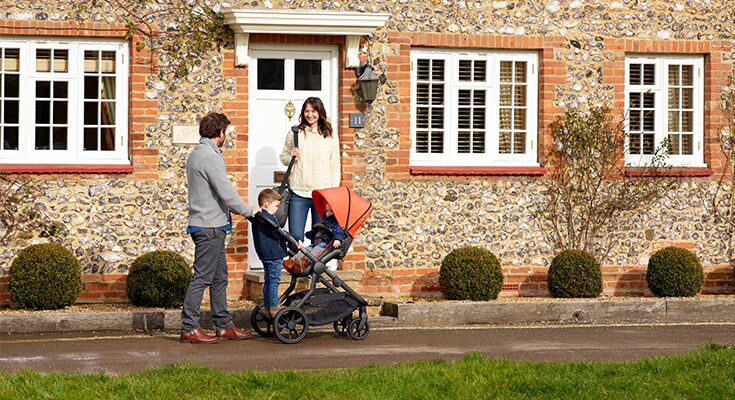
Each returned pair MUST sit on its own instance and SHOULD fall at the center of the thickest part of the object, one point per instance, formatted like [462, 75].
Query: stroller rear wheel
[356, 332]
[261, 322]
[291, 325]
[340, 327]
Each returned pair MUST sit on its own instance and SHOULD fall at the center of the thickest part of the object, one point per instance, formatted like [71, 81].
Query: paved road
[123, 354]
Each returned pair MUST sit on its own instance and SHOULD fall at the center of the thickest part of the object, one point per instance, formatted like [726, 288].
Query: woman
[316, 166]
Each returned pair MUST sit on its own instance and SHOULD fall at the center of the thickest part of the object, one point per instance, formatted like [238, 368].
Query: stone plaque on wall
[186, 134]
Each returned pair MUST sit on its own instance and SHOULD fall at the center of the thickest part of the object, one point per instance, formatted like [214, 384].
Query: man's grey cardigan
[211, 195]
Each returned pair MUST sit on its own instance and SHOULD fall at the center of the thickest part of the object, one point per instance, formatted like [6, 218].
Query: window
[473, 109]
[63, 102]
[664, 103]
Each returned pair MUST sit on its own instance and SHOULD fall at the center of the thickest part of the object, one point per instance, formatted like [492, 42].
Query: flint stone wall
[111, 219]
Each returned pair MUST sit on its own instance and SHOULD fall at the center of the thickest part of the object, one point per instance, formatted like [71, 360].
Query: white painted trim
[352, 49]
[351, 24]
[452, 85]
[242, 55]
[660, 91]
[74, 154]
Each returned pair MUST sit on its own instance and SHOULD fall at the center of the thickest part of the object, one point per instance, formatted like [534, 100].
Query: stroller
[335, 302]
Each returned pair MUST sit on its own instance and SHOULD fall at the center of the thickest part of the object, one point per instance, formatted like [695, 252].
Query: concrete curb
[424, 314]
[124, 321]
[451, 313]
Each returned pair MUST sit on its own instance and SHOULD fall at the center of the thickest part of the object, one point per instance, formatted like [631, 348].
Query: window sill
[66, 168]
[527, 171]
[686, 172]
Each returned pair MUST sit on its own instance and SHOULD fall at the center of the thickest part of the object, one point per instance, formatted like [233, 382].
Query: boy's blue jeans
[298, 208]
[272, 270]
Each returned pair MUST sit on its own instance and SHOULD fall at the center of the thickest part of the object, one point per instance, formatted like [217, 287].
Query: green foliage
[470, 273]
[588, 189]
[45, 277]
[158, 279]
[676, 272]
[574, 273]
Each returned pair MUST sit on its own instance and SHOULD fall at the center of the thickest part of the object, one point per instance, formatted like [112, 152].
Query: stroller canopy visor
[348, 207]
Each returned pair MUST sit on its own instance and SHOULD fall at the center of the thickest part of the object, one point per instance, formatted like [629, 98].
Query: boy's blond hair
[267, 196]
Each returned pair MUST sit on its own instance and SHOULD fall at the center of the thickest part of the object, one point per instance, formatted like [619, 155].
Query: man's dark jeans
[210, 270]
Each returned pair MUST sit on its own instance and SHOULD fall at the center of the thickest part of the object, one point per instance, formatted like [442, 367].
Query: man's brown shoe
[197, 336]
[234, 333]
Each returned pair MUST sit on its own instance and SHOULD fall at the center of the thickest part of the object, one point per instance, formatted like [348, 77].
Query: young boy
[270, 247]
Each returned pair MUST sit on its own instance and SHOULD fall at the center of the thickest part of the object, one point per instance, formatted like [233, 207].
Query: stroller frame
[335, 302]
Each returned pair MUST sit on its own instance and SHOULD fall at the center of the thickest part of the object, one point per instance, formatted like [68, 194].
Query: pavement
[504, 312]
[322, 348]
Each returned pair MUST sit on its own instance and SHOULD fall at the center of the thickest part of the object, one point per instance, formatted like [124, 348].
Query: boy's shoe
[272, 311]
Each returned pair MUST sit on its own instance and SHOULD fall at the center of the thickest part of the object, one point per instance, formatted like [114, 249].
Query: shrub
[45, 277]
[470, 273]
[674, 271]
[158, 279]
[574, 273]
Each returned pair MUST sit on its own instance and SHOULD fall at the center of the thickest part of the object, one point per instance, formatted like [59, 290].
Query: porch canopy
[350, 24]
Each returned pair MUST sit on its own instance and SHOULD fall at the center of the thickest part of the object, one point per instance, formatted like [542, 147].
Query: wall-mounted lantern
[367, 81]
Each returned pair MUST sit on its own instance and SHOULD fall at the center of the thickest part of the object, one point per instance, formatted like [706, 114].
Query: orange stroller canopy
[348, 207]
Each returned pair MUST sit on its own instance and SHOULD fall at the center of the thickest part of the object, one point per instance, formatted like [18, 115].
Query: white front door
[280, 76]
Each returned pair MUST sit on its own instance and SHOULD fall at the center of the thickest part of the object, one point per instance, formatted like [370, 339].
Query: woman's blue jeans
[298, 207]
[272, 270]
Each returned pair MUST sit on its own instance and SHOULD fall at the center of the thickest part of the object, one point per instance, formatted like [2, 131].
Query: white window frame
[491, 157]
[74, 154]
[660, 91]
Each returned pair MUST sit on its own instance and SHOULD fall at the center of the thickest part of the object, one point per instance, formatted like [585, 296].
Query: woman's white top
[318, 167]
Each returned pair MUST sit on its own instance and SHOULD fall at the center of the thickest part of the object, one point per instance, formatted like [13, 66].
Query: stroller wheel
[340, 327]
[261, 322]
[356, 332]
[291, 325]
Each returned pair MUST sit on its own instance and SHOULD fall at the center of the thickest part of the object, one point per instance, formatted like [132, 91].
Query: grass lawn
[708, 373]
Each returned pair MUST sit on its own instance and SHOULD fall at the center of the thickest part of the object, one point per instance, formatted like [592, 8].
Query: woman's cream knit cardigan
[319, 166]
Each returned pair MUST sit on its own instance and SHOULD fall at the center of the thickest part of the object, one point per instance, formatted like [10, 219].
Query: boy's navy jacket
[268, 243]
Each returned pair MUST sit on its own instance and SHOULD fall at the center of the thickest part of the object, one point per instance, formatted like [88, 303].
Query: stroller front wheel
[356, 332]
[291, 325]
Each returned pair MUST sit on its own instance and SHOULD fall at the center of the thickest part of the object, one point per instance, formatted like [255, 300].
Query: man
[211, 199]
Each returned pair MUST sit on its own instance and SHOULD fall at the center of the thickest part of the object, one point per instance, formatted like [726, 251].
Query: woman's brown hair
[325, 128]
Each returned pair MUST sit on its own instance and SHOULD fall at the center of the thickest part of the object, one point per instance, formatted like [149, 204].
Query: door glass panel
[270, 74]
[307, 75]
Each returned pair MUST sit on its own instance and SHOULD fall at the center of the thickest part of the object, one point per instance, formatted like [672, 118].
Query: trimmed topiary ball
[674, 272]
[574, 273]
[158, 279]
[470, 273]
[45, 277]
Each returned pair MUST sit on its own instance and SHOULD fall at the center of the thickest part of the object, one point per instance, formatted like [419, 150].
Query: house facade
[452, 152]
